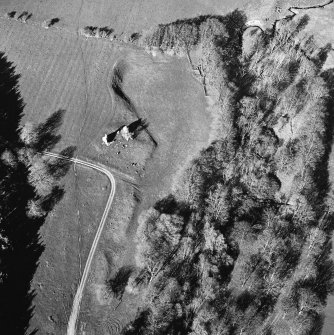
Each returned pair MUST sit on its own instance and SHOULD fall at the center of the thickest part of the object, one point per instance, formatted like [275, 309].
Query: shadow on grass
[20, 241]
[11, 109]
[137, 126]
[106, 30]
[59, 167]
[117, 87]
[134, 128]
[47, 132]
[118, 283]
[139, 325]
[53, 21]
[11, 14]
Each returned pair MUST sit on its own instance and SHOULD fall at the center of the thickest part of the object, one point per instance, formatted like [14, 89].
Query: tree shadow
[12, 105]
[134, 37]
[106, 31]
[11, 14]
[139, 325]
[19, 256]
[137, 126]
[59, 167]
[117, 87]
[118, 283]
[169, 205]
[93, 31]
[20, 241]
[112, 136]
[49, 201]
[53, 21]
[46, 132]
[24, 16]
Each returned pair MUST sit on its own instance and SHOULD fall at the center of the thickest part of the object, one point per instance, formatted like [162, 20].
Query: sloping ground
[63, 71]
[175, 107]
[60, 70]
[101, 312]
[68, 235]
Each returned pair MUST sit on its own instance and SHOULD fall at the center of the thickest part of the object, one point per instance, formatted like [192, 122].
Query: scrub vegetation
[242, 245]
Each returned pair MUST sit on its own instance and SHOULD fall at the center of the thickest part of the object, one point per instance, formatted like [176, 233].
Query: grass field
[73, 73]
[61, 70]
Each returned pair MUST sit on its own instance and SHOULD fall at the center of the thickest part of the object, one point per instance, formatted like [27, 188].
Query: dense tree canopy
[240, 247]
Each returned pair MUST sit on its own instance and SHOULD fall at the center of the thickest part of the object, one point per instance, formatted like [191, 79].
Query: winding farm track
[71, 327]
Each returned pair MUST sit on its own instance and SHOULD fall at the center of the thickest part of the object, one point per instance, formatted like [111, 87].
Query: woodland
[242, 245]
